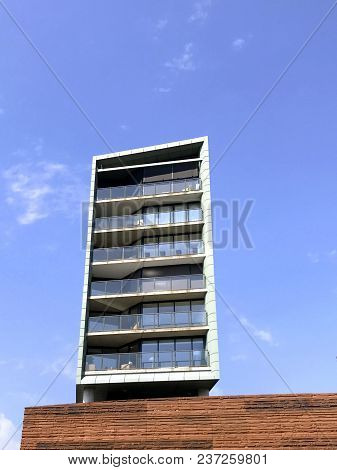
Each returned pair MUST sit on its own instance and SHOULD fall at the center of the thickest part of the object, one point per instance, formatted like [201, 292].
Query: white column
[88, 395]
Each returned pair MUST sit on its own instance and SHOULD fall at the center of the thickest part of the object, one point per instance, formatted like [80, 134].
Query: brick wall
[236, 422]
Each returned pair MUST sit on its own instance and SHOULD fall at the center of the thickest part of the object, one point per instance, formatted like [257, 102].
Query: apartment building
[148, 324]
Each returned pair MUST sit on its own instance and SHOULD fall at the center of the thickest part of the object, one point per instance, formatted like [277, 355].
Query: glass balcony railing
[148, 189]
[147, 360]
[147, 284]
[193, 247]
[145, 321]
[148, 219]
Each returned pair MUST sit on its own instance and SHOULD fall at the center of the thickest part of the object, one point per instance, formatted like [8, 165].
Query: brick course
[304, 421]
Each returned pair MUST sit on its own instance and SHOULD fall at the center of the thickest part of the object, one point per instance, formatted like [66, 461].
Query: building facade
[148, 324]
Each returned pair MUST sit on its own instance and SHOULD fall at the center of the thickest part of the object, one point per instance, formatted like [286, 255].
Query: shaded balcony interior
[130, 190]
[183, 152]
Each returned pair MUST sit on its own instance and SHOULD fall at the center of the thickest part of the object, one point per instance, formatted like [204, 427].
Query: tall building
[148, 325]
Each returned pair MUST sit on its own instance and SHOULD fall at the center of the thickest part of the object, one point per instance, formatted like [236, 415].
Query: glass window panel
[164, 249]
[197, 305]
[130, 286]
[150, 218]
[131, 252]
[150, 251]
[162, 284]
[178, 186]
[179, 216]
[99, 255]
[147, 285]
[111, 323]
[98, 288]
[149, 189]
[183, 358]
[149, 360]
[129, 322]
[182, 306]
[117, 192]
[166, 307]
[197, 344]
[165, 359]
[194, 214]
[182, 319]
[150, 308]
[165, 215]
[164, 187]
[132, 191]
[149, 320]
[149, 346]
[103, 193]
[180, 248]
[96, 324]
[183, 345]
[166, 345]
[197, 281]
[180, 283]
[165, 319]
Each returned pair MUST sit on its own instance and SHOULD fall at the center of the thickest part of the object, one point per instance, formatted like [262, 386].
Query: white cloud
[185, 61]
[124, 127]
[40, 189]
[263, 335]
[200, 11]
[238, 44]
[7, 429]
[161, 24]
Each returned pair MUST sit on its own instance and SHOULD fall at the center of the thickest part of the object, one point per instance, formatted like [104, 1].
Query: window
[180, 352]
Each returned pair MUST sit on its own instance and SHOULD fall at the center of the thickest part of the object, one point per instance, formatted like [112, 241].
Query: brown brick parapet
[304, 421]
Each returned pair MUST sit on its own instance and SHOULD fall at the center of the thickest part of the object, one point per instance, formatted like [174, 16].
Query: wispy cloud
[161, 24]
[185, 61]
[316, 257]
[39, 189]
[54, 367]
[124, 127]
[200, 11]
[263, 335]
[7, 429]
[238, 44]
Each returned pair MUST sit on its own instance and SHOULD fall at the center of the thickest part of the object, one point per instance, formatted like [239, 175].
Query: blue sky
[149, 72]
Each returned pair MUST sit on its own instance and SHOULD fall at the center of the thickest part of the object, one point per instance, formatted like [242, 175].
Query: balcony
[127, 259]
[148, 189]
[149, 360]
[147, 285]
[126, 292]
[148, 321]
[147, 220]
